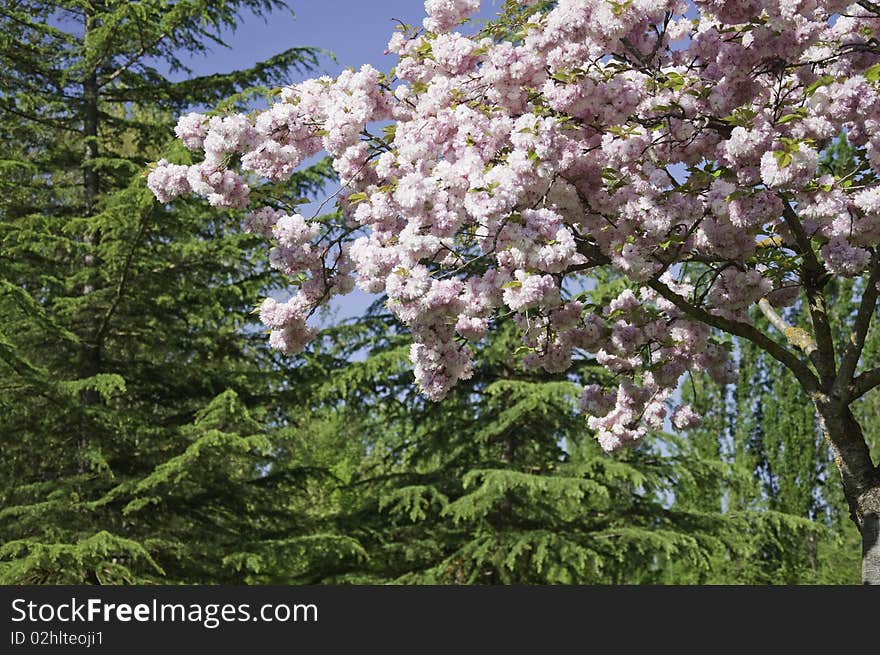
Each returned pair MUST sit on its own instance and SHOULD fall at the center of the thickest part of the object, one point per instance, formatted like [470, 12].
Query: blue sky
[355, 31]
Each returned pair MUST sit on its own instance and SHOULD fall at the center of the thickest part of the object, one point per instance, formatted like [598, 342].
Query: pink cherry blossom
[678, 146]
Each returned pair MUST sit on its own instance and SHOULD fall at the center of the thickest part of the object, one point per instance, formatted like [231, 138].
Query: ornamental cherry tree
[490, 173]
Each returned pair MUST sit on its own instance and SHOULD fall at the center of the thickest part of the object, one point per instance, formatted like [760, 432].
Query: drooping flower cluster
[686, 155]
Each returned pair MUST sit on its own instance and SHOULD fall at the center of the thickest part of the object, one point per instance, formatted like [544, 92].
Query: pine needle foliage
[135, 388]
[503, 482]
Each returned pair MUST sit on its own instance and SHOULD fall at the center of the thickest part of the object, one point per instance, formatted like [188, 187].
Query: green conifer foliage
[148, 435]
[503, 482]
[760, 435]
[131, 376]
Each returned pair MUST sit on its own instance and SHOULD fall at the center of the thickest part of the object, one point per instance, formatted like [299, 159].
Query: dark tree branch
[870, 6]
[123, 281]
[853, 351]
[800, 370]
[864, 382]
[780, 353]
[814, 277]
[132, 60]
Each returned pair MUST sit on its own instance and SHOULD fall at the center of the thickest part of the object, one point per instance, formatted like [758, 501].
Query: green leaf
[872, 74]
[800, 113]
[673, 80]
[815, 86]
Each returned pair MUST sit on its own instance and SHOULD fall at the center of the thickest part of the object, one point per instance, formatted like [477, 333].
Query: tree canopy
[520, 194]
[680, 145]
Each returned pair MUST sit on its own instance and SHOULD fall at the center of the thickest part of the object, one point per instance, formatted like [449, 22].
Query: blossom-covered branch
[684, 154]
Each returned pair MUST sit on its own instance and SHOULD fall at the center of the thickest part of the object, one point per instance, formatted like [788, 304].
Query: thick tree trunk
[860, 477]
[871, 538]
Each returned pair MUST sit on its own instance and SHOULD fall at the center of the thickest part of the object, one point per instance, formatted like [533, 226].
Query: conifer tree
[503, 482]
[128, 358]
[749, 431]
[642, 138]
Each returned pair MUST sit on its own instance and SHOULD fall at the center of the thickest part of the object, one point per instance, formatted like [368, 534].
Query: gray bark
[861, 479]
[870, 529]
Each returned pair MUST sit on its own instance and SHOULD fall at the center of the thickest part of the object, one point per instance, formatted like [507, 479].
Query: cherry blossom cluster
[681, 145]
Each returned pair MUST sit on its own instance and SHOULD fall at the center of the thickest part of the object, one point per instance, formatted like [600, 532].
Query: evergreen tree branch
[218, 86]
[123, 280]
[6, 107]
[132, 60]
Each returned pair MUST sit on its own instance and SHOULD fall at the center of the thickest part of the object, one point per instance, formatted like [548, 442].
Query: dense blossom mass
[677, 144]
